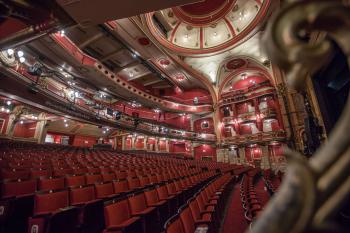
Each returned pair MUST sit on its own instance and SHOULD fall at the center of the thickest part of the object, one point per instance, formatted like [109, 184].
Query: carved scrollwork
[312, 190]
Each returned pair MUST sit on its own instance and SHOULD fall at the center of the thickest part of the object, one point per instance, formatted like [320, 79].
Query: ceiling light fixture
[10, 52]
[20, 53]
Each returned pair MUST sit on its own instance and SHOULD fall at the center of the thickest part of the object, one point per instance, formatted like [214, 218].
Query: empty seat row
[204, 210]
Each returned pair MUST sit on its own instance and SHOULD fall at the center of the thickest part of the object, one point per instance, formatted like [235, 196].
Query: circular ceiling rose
[143, 41]
[207, 27]
[235, 64]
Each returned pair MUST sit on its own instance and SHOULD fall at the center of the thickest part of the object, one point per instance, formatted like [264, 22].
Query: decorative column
[241, 152]
[41, 129]
[145, 143]
[123, 142]
[265, 158]
[257, 115]
[167, 145]
[13, 119]
[156, 144]
[133, 139]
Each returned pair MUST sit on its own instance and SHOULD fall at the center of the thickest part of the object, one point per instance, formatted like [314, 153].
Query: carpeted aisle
[234, 221]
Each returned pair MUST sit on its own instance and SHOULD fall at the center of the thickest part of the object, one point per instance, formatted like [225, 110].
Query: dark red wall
[84, 141]
[204, 150]
[25, 130]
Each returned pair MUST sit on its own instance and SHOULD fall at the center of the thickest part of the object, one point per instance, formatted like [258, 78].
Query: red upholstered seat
[118, 218]
[134, 183]
[47, 202]
[82, 194]
[91, 210]
[187, 220]
[174, 225]
[53, 214]
[121, 186]
[13, 188]
[149, 215]
[104, 190]
[7, 173]
[138, 205]
[51, 183]
[72, 181]
[93, 178]
[36, 173]
[108, 177]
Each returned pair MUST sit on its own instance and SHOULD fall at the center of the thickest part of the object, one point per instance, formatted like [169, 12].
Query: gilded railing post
[313, 190]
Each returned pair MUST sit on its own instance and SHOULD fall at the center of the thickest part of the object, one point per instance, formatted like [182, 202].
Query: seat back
[151, 197]
[51, 183]
[104, 190]
[193, 205]
[12, 174]
[137, 203]
[93, 178]
[72, 181]
[162, 192]
[36, 173]
[121, 186]
[187, 220]
[174, 225]
[116, 213]
[13, 188]
[82, 194]
[108, 177]
[134, 183]
[47, 202]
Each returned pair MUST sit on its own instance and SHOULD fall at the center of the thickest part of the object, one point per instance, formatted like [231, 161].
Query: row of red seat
[204, 210]
[101, 181]
[250, 201]
[148, 210]
[58, 196]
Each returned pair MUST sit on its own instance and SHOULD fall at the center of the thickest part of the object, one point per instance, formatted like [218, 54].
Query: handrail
[312, 190]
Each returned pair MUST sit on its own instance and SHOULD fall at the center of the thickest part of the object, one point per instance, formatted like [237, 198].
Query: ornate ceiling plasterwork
[209, 66]
[207, 27]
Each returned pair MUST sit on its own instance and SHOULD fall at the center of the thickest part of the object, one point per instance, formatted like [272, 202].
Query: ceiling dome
[207, 27]
[204, 12]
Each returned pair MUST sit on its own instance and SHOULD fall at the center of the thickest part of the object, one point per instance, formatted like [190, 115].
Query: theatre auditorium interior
[182, 116]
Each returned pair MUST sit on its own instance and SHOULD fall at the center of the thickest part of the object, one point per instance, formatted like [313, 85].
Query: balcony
[255, 138]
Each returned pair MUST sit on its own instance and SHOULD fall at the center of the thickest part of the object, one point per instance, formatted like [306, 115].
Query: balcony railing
[279, 135]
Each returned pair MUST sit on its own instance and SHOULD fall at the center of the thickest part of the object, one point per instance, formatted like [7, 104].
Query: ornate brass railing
[312, 191]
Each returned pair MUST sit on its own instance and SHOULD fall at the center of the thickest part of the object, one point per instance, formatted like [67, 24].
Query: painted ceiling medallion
[209, 26]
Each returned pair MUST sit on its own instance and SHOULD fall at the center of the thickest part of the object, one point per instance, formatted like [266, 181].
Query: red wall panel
[84, 141]
[139, 143]
[25, 130]
[198, 125]
[204, 151]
